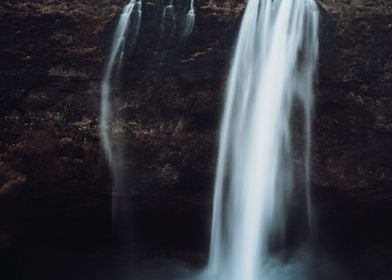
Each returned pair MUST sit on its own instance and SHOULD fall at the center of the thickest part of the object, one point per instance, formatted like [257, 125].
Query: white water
[135, 19]
[115, 60]
[273, 66]
[168, 20]
[189, 21]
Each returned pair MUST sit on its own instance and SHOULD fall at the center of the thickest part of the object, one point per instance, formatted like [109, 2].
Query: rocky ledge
[55, 184]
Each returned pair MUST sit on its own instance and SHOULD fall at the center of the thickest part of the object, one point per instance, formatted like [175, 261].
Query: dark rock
[167, 103]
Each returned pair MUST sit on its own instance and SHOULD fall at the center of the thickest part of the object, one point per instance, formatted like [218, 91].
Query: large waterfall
[257, 179]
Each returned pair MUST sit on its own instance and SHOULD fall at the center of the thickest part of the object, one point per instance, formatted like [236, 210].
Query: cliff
[55, 182]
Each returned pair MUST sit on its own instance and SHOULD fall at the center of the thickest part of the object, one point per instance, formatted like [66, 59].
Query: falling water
[168, 20]
[273, 67]
[115, 58]
[128, 26]
[189, 21]
[135, 19]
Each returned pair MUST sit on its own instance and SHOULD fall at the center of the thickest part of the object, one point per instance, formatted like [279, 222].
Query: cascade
[134, 27]
[257, 180]
[128, 24]
[168, 20]
[115, 58]
[189, 21]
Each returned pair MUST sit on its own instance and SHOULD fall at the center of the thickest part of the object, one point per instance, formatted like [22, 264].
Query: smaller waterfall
[189, 21]
[128, 26]
[115, 58]
[168, 20]
[133, 31]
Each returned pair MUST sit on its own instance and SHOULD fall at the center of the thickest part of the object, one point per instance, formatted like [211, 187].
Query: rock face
[167, 103]
[352, 172]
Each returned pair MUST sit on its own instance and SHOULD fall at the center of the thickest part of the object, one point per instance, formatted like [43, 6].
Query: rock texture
[55, 182]
[352, 137]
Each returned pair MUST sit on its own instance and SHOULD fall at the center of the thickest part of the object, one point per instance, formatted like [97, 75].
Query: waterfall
[189, 21]
[273, 68]
[115, 58]
[168, 20]
[128, 25]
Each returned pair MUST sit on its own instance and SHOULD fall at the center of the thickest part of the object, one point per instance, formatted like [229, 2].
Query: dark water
[108, 261]
[163, 246]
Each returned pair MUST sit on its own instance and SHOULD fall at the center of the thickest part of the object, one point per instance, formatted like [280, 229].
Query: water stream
[259, 172]
[115, 59]
[128, 26]
[168, 20]
[189, 21]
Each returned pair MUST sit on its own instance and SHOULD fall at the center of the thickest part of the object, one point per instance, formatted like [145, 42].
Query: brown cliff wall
[168, 105]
